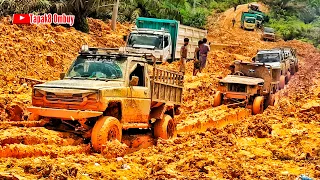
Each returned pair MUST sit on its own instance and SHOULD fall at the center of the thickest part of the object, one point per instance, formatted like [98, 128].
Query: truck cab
[163, 38]
[291, 55]
[259, 19]
[248, 21]
[276, 59]
[106, 92]
[150, 41]
[268, 34]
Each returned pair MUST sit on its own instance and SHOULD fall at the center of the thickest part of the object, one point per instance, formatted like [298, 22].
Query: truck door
[166, 47]
[139, 94]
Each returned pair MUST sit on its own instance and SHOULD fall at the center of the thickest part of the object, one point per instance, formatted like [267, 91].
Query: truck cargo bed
[166, 86]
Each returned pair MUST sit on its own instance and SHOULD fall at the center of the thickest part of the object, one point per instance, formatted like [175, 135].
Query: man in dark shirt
[204, 53]
[184, 55]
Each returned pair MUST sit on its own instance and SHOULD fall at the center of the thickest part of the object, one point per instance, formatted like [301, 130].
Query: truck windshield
[268, 30]
[250, 20]
[259, 18]
[145, 39]
[91, 67]
[268, 57]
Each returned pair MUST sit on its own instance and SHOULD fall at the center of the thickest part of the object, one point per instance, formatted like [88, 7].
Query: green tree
[80, 8]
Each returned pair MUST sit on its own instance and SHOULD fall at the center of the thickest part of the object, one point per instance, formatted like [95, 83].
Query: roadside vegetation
[296, 19]
[293, 19]
[189, 12]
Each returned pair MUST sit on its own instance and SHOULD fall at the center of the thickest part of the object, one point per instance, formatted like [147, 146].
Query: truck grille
[64, 98]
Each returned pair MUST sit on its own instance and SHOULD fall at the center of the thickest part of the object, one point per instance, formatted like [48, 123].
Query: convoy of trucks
[253, 13]
[254, 84]
[106, 91]
[162, 38]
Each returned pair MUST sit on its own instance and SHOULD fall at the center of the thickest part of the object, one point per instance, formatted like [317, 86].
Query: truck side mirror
[62, 75]
[134, 81]
[125, 38]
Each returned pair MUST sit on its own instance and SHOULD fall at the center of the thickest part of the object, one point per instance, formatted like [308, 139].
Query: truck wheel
[165, 128]
[257, 107]
[292, 70]
[106, 129]
[282, 81]
[271, 100]
[217, 99]
[33, 117]
[288, 77]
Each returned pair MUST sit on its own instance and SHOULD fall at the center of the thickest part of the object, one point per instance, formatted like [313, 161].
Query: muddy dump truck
[290, 54]
[251, 85]
[276, 59]
[104, 93]
[268, 34]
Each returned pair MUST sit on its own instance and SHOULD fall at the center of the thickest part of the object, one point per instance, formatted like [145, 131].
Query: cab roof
[266, 51]
[114, 53]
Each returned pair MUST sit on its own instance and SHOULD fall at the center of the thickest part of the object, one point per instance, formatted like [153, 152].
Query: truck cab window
[139, 72]
[166, 41]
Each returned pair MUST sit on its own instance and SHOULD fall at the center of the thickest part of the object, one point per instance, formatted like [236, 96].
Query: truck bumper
[63, 113]
[234, 95]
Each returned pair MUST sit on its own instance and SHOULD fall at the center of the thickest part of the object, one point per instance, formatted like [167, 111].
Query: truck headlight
[37, 93]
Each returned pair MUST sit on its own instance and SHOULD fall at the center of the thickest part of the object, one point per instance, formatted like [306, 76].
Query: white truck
[163, 38]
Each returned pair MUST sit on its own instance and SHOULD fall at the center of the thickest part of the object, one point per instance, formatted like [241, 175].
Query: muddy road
[281, 143]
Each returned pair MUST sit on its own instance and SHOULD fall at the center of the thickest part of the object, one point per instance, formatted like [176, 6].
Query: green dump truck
[261, 15]
[248, 21]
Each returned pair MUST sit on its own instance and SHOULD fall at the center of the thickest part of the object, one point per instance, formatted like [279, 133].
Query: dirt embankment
[42, 52]
[281, 143]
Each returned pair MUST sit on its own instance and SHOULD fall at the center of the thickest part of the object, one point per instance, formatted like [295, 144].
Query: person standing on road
[233, 22]
[197, 62]
[232, 68]
[183, 55]
[204, 49]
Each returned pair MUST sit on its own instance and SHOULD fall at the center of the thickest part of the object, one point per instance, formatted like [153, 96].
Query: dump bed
[258, 12]
[166, 86]
[247, 14]
[194, 35]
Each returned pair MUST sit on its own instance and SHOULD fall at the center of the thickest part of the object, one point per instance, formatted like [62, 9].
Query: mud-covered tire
[106, 129]
[165, 128]
[270, 101]
[292, 70]
[217, 99]
[288, 77]
[257, 107]
[282, 82]
[33, 117]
